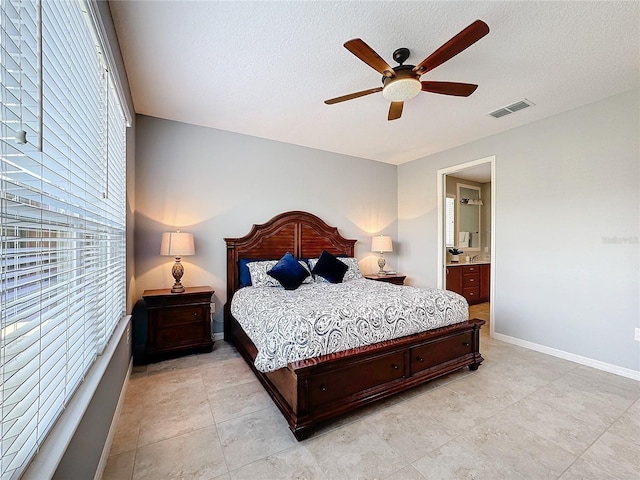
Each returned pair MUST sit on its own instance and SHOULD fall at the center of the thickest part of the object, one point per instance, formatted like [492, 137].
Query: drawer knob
[466, 344]
[195, 314]
[420, 359]
[323, 388]
[395, 367]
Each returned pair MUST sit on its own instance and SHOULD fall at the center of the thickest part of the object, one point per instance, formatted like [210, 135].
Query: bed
[312, 391]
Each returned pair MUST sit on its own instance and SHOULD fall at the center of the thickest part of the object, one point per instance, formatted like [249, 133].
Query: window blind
[62, 216]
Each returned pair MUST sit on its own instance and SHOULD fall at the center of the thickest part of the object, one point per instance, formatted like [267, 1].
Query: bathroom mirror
[468, 206]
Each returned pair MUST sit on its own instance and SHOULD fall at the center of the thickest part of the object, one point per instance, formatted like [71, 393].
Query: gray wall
[566, 228]
[217, 184]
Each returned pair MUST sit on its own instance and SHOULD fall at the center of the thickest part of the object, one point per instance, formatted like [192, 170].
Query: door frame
[441, 194]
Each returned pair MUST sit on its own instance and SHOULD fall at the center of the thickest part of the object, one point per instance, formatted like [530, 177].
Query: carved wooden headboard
[302, 234]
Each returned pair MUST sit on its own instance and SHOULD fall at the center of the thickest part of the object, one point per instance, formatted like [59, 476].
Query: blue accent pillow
[289, 272]
[330, 268]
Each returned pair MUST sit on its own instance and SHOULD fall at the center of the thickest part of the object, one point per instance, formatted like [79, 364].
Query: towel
[463, 239]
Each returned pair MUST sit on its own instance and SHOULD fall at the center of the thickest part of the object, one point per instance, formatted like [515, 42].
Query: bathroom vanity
[471, 280]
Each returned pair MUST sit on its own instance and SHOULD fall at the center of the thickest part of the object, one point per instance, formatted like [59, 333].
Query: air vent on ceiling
[514, 107]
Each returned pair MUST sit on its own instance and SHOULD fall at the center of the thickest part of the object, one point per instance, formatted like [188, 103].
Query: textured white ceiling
[265, 68]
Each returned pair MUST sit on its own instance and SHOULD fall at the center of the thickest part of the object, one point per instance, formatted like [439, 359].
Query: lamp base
[177, 271]
[381, 263]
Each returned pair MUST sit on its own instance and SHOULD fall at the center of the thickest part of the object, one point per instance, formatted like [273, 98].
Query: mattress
[322, 318]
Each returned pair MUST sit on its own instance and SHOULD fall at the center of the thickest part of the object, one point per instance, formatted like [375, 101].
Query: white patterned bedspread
[321, 318]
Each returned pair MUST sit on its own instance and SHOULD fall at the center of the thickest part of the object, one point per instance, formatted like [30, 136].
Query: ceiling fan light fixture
[401, 89]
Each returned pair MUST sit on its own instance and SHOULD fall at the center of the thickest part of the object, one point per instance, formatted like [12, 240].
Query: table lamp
[177, 244]
[381, 244]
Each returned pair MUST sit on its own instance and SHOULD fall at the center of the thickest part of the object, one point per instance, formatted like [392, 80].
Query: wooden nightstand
[178, 322]
[395, 278]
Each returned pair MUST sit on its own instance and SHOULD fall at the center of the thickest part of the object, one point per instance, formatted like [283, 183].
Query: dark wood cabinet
[454, 279]
[471, 283]
[485, 282]
[470, 280]
[391, 278]
[177, 322]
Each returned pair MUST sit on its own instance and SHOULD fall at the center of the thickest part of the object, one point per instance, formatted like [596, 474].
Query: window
[62, 215]
[449, 222]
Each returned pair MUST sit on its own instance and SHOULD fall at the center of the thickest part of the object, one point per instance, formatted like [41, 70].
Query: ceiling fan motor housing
[401, 55]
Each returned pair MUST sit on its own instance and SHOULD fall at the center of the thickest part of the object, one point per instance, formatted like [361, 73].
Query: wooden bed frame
[311, 392]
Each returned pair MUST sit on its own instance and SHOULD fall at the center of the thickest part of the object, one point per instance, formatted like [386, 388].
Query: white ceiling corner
[265, 68]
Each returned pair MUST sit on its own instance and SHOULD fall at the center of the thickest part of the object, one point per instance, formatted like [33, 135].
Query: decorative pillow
[305, 265]
[289, 272]
[259, 277]
[353, 271]
[330, 268]
[244, 276]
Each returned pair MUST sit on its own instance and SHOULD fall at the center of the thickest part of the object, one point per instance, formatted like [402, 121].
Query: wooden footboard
[312, 392]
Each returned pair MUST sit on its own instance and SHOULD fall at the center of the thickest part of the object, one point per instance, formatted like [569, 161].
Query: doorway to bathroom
[466, 240]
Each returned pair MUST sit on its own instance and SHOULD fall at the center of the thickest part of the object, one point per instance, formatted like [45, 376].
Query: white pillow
[352, 273]
[309, 279]
[258, 272]
[354, 269]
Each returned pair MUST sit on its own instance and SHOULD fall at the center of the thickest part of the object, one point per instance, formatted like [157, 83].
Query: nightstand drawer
[178, 316]
[178, 335]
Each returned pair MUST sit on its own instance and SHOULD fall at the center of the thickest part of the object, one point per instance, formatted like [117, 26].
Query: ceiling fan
[403, 82]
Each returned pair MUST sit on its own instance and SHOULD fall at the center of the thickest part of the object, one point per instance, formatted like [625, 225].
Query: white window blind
[62, 216]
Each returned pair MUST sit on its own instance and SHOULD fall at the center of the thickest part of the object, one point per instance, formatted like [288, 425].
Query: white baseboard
[589, 362]
[218, 336]
[114, 426]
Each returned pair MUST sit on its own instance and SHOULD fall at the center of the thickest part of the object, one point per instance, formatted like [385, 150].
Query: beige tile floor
[522, 414]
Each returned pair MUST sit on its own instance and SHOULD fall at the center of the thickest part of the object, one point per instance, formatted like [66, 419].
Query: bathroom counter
[454, 264]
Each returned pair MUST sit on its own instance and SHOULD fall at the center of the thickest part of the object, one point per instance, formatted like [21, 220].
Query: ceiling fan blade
[395, 110]
[457, 44]
[449, 88]
[353, 95]
[365, 53]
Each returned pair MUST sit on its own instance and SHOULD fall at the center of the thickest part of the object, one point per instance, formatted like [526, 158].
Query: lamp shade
[381, 243]
[177, 244]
